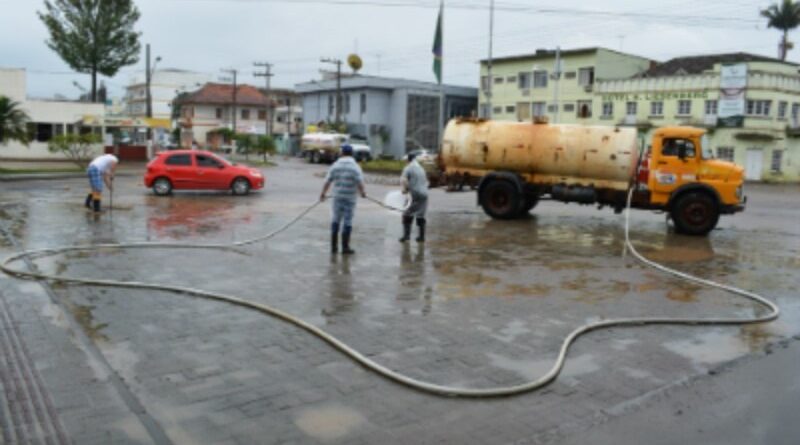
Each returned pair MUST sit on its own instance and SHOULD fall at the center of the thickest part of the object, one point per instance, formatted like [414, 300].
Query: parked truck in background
[520, 163]
[325, 147]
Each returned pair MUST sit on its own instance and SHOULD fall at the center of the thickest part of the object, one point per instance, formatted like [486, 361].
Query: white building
[164, 86]
[48, 118]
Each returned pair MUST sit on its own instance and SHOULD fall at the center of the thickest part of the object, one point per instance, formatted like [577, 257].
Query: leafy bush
[77, 148]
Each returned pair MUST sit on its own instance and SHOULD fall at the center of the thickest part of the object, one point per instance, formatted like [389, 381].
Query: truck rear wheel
[500, 200]
[695, 213]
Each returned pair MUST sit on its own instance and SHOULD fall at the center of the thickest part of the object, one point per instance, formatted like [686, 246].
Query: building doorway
[753, 165]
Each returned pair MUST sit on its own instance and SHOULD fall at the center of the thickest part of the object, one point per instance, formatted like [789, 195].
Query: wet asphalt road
[483, 303]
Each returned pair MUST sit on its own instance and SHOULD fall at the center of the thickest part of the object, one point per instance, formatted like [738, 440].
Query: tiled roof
[698, 64]
[222, 94]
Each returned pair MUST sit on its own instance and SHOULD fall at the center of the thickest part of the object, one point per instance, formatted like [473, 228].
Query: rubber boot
[88, 202]
[421, 227]
[96, 204]
[407, 220]
[346, 250]
[334, 238]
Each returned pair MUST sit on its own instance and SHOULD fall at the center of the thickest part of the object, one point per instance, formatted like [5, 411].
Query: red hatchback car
[199, 170]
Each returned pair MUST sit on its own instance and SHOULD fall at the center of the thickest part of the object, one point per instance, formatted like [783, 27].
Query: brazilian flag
[437, 46]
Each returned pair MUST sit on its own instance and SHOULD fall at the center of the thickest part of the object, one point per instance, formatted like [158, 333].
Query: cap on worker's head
[410, 157]
[347, 150]
[116, 159]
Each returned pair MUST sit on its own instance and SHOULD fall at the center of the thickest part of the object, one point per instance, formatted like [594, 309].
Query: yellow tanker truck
[520, 163]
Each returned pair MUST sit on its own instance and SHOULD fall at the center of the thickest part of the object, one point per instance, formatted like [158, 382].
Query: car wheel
[240, 186]
[162, 187]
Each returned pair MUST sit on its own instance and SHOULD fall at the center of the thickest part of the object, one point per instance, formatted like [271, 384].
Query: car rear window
[207, 161]
[183, 159]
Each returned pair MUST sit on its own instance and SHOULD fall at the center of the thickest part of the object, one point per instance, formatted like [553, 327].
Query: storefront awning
[122, 121]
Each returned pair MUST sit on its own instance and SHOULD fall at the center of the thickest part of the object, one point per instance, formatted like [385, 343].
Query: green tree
[13, 122]
[244, 142]
[265, 145]
[77, 147]
[784, 16]
[93, 36]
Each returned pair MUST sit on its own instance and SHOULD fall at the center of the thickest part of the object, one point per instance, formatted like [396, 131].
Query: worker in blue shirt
[347, 179]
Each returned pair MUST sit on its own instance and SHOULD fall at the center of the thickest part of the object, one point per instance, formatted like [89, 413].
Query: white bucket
[397, 200]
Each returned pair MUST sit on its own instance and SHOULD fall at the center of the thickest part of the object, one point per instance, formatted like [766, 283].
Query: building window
[484, 111]
[656, 108]
[523, 111]
[569, 75]
[782, 109]
[538, 109]
[630, 108]
[40, 132]
[524, 81]
[586, 76]
[684, 107]
[363, 104]
[218, 113]
[540, 79]
[346, 103]
[711, 108]
[262, 115]
[511, 109]
[725, 153]
[608, 109]
[497, 110]
[584, 109]
[245, 114]
[511, 79]
[777, 158]
[569, 107]
[758, 107]
[552, 108]
[484, 83]
[498, 80]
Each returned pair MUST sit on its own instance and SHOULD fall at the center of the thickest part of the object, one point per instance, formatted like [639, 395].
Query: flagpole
[441, 83]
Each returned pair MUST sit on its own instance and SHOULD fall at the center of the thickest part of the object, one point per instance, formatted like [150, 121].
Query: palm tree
[784, 16]
[13, 122]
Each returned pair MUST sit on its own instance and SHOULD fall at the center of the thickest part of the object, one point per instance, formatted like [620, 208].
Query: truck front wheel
[695, 213]
[500, 200]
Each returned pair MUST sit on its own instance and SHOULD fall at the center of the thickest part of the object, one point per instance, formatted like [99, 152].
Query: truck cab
[683, 178]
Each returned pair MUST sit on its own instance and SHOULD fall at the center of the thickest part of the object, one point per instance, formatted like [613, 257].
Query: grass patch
[26, 171]
[383, 166]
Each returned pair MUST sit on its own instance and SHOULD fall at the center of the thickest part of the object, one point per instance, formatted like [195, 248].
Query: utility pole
[557, 75]
[267, 73]
[338, 64]
[489, 63]
[148, 76]
[235, 92]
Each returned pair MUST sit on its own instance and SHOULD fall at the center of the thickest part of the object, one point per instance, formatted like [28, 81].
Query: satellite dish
[355, 62]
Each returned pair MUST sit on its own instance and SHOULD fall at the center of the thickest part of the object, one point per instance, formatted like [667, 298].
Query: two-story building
[214, 107]
[749, 104]
[395, 115]
[164, 86]
[531, 85]
[754, 121]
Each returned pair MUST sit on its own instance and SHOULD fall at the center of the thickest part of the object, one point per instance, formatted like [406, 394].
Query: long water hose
[432, 388]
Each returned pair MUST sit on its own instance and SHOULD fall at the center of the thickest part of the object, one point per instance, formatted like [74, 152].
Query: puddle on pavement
[680, 249]
[330, 422]
[580, 365]
[681, 295]
[711, 347]
[527, 369]
[512, 330]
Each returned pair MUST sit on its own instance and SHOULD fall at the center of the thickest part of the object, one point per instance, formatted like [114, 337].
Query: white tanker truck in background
[325, 147]
[520, 163]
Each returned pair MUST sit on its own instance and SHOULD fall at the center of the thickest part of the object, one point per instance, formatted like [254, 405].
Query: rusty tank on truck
[515, 165]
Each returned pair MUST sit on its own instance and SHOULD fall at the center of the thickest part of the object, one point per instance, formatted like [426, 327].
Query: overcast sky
[394, 37]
